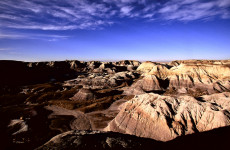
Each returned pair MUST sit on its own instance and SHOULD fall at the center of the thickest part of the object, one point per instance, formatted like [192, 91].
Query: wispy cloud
[190, 10]
[52, 15]
[126, 10]
[4, 49]
[18, 35]
[89, 14]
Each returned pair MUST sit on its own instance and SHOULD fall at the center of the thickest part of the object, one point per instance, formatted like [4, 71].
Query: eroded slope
[164, 117]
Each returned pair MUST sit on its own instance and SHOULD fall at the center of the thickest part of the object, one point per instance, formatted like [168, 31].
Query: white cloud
[148, 15]
[190, 10]
[52, 15]
[169, 8]
[187, 1]
[223, 3]
[85, 14]
[126, 10]
[149, 7]
[46, 37]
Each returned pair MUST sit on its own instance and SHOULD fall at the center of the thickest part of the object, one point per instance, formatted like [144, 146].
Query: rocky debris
[164, 118]
[83, 95]
[97, 140]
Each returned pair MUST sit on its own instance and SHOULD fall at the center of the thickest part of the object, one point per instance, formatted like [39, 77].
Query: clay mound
[164, 118]
[201, 71]
[192, 76]
[149, 83]
[83, 94]
[160, 71]
[146, 66]
[207, 78]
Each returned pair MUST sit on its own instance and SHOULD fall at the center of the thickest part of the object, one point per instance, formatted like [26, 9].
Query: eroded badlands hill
[191, 77]
[163, 118]
[160, 101]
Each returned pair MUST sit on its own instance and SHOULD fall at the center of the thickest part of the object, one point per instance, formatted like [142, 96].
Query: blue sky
[110, 30]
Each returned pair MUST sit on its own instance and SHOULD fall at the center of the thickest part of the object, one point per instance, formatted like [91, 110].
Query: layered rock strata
[201, 77]
[164, 118]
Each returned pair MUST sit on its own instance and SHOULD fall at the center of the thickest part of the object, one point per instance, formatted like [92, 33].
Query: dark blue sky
[156, 30]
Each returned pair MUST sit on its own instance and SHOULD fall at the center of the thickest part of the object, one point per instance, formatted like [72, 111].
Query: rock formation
[37, 72]
[103, 80]
[146, 66]
[17, 126]
[200, 77]
[162, 101]
[148, 83]
[164, 118]
[97, 140]
[212, 140]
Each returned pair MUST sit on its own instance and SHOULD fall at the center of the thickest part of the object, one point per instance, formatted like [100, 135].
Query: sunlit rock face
[192, 76]
[148, 83]
[164, 118]
[146, 66]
